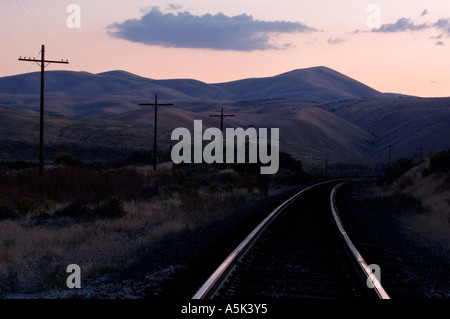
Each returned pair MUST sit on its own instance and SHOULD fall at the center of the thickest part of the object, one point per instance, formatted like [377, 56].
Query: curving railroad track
[301, 250]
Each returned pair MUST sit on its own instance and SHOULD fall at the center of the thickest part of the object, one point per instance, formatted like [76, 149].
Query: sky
[399, 46]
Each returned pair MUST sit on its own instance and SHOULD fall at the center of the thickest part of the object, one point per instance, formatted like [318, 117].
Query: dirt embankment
[408, 221]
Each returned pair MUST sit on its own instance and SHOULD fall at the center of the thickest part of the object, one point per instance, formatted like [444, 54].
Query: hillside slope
[320, 84]
[317, 84]
[320, 112]
[411, 124]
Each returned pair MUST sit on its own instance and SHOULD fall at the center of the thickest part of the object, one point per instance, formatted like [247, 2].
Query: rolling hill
[320, 112]
[318, 84]
[82, 94]
[407, 123]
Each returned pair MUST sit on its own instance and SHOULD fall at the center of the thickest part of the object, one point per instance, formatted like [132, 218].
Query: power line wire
[18, 86]
[38, 26]
[12, 42]
[53, 43]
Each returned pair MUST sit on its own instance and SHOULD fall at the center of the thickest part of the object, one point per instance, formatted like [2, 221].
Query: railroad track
[301, 250]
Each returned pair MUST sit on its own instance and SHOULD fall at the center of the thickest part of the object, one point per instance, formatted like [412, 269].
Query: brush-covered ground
[407, 216]
[107, 220]
[427, 184]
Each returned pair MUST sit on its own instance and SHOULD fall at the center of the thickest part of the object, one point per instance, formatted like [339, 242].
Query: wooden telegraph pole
[420, 152]
[221, 118]
[43, 63]
[389, 156]
[221, 115]
[155, 106]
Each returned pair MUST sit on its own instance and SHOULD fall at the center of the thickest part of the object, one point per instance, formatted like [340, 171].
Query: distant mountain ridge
[317, 84]
[320, 112]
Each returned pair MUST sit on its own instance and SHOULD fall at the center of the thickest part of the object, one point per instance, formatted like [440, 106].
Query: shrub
[112, 208]
[401, 167]
[171, 188]
[440, 161]
[48, 205]
[228, 187]
[180, 175]
[290, 163]
[67, 159]
[264, 184]
[230, 178]
[140, 157]
[26, 206]
[248, 181]
[15, 165]
[6, 211]
[214, 188]
[405, 181]
[77, 210]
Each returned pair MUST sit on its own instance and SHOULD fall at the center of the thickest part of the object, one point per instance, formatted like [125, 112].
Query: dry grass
[433, 192]
[29, 250]
[106, 219]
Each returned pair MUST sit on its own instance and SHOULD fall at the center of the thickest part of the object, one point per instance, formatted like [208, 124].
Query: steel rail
[381, 293]
[213, 284]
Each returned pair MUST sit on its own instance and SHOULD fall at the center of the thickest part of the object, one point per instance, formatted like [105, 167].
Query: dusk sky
[400, 46]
